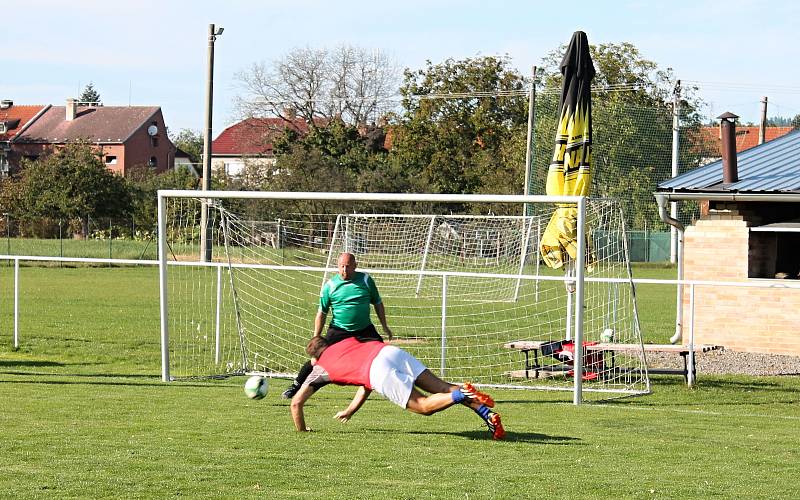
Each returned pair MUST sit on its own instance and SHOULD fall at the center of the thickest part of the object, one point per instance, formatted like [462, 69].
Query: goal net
[465, 293]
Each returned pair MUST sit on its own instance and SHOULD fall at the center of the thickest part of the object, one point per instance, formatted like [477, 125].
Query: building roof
[179, 153]
[253, 136]
[99, 124]
[772, 167]
[16, 117]
[746, 137]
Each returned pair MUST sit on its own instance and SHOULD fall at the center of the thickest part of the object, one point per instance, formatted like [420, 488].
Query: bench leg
[527, 365]
[534, 367]
[685, 367]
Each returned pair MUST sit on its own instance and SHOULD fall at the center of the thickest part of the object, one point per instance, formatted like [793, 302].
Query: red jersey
[346, 362]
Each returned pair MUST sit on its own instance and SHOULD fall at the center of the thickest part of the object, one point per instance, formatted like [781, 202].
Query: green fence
[649, 246]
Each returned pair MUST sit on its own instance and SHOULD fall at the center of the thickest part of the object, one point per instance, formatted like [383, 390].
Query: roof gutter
[663, 213]
[717, 196]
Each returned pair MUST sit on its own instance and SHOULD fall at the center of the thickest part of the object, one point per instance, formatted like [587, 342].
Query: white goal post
[462, 290]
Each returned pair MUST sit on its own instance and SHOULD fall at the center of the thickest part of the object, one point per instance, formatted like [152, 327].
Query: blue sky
[153, 52]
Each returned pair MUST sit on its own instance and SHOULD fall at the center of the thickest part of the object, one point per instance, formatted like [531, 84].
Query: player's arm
[358, 400]
[298, 401]
[319, 323]
[322, 311]
[381, 312]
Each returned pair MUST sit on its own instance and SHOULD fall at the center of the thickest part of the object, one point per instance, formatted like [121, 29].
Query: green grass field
[84, 415]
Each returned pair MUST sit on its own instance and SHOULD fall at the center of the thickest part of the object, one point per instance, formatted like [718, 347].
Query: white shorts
[393, 373]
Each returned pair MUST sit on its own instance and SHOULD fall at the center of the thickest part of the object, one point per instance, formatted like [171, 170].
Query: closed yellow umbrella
[570, 170]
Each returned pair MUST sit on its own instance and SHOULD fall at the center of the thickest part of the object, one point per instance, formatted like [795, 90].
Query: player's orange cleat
[471, 392]
[495, 426]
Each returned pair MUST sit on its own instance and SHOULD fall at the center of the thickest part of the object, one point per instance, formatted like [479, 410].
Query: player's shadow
[511, 436]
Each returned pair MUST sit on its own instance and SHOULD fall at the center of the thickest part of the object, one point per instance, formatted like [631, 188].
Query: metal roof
[772, 167]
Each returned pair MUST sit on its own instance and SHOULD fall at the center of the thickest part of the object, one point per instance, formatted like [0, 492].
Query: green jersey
[350, 300]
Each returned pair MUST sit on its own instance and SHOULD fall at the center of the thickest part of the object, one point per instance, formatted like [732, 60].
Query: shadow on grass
[30, 362]
[139, 380]
[77, 375]
[511, 436]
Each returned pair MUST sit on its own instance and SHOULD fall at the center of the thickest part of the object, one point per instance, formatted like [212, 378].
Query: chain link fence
[84, 237]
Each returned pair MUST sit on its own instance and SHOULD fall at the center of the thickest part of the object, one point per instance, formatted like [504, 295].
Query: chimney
[72, 109]
[727, 125]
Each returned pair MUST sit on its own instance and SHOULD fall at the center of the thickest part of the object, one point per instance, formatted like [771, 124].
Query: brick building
[748, 232]
[13, 121]
[250, 140]
[125, 136]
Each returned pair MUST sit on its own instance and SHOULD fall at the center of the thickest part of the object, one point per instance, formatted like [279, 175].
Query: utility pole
[673, 206]
[528, 149]
[205, 232]
[762, 129]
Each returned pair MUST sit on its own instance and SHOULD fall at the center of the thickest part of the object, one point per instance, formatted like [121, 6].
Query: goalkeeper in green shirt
[348, 295]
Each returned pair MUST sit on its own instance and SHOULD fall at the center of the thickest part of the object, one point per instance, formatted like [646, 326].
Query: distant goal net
[465, 293]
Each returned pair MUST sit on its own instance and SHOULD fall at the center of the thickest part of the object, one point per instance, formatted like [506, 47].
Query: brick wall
[717, 248]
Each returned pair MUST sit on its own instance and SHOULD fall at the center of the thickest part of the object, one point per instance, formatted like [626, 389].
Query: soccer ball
[256, 387]
[607, 335]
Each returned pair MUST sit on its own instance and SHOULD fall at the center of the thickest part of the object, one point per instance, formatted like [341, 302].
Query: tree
[463, 144]
[90, 95]
[352, 83]
[70, 183]
[143, 185]
[190, 142]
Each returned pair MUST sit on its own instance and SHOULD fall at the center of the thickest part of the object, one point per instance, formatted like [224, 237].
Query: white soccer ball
[607, 335]
[256, 387]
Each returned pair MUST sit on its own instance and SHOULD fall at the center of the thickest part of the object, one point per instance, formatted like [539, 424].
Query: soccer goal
[466, 293]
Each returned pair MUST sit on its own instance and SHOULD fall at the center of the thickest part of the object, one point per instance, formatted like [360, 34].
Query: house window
[773, 251]
[3, 128]
[111, 160]
[153, 163]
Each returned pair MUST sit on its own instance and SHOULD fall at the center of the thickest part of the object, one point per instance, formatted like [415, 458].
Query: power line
[733, 86]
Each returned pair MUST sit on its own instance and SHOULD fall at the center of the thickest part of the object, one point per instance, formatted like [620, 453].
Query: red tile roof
[746, 137]
[101, 124]
[18, 116]
[254, 136]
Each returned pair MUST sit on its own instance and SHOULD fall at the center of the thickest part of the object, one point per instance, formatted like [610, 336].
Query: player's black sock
[303, 374]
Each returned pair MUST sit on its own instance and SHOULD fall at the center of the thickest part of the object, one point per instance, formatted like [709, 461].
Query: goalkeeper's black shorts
[335, 334]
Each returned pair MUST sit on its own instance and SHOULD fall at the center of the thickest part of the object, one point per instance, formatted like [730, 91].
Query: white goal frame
[579, 277]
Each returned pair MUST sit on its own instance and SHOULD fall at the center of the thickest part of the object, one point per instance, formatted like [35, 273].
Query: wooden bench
[608, 349]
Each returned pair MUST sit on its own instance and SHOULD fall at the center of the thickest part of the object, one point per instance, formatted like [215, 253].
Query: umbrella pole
[569, 272]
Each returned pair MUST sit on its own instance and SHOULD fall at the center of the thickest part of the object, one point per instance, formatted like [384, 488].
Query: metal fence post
[110, 240]
[444, 324]
[16, 303]
[690, 362]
